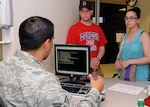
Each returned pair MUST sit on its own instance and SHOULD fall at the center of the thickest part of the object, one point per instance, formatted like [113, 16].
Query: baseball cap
[85, 4]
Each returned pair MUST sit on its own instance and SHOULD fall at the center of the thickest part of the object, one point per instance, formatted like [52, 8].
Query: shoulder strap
[139, 33]
[121, 44]
[142, 32]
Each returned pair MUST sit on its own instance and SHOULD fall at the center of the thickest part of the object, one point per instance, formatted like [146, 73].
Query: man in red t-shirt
[85, 32]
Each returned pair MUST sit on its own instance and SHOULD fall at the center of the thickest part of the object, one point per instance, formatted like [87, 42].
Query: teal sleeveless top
[134, 50]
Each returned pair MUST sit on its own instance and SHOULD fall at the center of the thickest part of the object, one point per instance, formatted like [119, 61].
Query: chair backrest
[1, 103]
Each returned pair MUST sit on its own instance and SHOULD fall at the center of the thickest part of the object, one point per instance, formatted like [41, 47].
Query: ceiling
[111, 1]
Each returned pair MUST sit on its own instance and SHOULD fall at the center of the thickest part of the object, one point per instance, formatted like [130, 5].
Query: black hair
[136, 10]
[34, 31]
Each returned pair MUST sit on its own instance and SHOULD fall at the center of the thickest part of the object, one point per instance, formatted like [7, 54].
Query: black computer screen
[72, 60]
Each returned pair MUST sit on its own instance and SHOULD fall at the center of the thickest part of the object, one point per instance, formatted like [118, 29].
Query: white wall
[63, 13]
[145, 14]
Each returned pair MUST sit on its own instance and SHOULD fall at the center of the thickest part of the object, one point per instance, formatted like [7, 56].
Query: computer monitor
[72, 61]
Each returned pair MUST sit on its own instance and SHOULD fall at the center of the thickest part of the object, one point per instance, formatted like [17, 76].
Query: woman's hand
[118, 64]
[124, 64]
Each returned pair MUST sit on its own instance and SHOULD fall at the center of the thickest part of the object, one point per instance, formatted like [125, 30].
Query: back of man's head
[34, 31]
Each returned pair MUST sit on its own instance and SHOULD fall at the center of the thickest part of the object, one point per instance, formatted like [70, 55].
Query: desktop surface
[120, 99]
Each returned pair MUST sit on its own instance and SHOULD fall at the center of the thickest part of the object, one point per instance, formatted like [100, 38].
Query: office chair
[1, 103]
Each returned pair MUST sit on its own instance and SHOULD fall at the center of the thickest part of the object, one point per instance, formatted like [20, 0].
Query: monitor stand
[74, 80]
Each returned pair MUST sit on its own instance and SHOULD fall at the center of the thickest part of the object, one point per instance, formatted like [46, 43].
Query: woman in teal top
[135, 48]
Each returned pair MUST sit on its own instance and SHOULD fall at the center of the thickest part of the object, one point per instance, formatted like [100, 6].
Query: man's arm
[94, 63]
[101, 52]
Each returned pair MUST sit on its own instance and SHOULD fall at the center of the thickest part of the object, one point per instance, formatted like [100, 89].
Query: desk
[119, 99]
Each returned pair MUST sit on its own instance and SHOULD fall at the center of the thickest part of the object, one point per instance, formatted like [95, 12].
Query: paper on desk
[126, 88]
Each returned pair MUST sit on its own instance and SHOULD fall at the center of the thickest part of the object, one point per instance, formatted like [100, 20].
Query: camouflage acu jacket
[25, 83]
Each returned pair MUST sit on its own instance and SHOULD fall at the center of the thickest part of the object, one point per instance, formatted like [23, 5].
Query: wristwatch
[131, 3]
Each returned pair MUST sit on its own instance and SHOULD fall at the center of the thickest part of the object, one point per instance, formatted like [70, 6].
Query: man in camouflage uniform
[23, 80]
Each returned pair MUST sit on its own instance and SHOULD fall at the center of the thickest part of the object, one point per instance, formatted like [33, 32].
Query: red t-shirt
[92, 36]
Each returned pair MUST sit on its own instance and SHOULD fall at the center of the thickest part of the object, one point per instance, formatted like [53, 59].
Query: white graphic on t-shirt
[90, 38]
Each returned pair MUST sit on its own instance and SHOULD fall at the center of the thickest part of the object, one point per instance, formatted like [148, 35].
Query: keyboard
[76, 89]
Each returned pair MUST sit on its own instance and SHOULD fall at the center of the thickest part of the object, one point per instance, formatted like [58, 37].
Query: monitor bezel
[72, 47]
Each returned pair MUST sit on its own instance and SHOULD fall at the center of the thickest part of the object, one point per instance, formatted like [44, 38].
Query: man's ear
[92, 11]
[46, 44]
